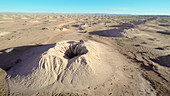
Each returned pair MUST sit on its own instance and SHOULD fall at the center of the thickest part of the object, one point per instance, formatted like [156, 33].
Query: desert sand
[84, 55]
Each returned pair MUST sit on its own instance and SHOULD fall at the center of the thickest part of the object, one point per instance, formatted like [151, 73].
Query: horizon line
[83, 13]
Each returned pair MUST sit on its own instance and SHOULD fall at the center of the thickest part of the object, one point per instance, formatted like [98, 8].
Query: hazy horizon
[130, 7]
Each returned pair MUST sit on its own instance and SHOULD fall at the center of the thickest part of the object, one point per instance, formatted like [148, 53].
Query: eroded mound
[64, 65]
[117, 32]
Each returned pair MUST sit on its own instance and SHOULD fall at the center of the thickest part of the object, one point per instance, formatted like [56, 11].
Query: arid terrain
[84, 55]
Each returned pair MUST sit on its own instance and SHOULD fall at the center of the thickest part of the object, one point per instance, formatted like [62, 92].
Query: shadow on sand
[12, 56]
[164, 32]
[108, 33]
[163, 60]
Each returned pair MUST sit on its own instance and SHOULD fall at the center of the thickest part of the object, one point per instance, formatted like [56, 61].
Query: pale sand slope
[41, 68]
[48, 69]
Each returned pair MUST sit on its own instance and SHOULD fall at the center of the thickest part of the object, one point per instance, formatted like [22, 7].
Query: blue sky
[135, 7]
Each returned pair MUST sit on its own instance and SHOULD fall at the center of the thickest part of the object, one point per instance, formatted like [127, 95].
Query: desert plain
[84, 55]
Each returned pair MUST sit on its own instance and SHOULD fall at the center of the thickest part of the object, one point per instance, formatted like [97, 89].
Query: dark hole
[137, 45]
[75, 50]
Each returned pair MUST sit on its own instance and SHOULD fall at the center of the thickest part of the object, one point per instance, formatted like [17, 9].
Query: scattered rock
[44, 28]
[75, 25]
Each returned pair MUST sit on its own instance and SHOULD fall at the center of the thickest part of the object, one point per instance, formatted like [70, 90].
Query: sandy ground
[136, 49]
